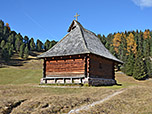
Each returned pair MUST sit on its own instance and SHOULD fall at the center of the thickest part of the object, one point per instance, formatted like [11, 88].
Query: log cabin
[80, 57]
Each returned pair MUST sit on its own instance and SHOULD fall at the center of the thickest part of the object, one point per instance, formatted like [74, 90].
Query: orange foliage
[146, 34]
[116, 41]
[8, 26]
[131, 44]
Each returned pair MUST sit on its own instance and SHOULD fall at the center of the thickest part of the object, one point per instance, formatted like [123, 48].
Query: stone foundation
[101, 81]
[62, 81]
[90, 81]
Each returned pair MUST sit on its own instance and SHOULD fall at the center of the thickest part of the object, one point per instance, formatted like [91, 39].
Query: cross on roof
[76, 16]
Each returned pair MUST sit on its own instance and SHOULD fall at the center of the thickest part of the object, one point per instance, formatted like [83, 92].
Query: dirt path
[86, 107]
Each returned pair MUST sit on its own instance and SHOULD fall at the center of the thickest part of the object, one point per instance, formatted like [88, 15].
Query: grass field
[20, 93]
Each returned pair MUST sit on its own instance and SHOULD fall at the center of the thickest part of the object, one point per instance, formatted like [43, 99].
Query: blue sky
[50, 19]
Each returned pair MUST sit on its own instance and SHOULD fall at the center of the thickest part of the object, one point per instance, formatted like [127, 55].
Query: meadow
[21, 93]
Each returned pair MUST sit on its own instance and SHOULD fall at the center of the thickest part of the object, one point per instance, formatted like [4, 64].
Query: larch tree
[116, 42]
[131, 44]
[7, 25]
[146, 34]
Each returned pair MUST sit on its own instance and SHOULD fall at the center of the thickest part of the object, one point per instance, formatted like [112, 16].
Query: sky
[50, 19]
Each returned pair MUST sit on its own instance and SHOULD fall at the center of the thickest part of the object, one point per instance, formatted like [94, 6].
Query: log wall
[69, 66]
[101, 67]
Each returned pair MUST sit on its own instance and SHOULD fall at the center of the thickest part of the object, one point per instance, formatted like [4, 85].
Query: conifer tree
[129, 65]
[102, 38]
[7, 45]
[146, 50]
[21, 53]
[11, 39]
[26, 52]
[32, 44]
[5, 54]
[47, 45]
[148, 67]
[26, 39]
[52, 43]
[2, 43]
[1, 26]
[39, 45]
[139, 72]
[18, 44]
[10, 52]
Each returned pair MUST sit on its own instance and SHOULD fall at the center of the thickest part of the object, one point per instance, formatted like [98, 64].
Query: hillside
[20, 92]
[12, 43]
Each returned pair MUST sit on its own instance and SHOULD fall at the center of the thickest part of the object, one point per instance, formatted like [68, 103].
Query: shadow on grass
[11, 62]
[119, 84]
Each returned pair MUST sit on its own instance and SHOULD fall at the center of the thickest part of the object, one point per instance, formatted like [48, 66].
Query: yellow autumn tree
[131, 44]
[116, 41]
[146, 34]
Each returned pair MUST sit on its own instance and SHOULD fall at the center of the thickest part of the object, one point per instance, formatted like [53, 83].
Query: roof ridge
[82, 28]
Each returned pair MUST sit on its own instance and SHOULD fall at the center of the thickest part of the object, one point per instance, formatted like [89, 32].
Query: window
[100, 65]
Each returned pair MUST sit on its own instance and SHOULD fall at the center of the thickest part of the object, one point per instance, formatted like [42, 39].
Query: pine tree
[139, 72]
[18, 43]
[52, 43]
[1, 30]
[129, 65]
[21, 53]
[146, 45]
[47, 45]
[2, 43]
[7, 45]
[5, 54]
[11, 39]
[26, 53]
[123, 47]
[102, 38]
[148, 67]
[39, 45]
[10, 52]
[26, 39]
[32, 44]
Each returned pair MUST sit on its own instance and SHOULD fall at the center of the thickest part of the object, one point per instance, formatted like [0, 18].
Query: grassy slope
[19, 76]
[20, 83]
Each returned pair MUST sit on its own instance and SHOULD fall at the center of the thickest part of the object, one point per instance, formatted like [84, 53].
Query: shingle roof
[79, 41]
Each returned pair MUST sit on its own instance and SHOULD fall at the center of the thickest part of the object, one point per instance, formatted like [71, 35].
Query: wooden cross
[76, 16]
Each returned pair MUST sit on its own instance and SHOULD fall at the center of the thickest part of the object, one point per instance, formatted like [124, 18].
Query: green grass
[19, 76]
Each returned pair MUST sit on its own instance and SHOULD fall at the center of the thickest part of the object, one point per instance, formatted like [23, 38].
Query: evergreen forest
[134, 48]
[12, 42]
